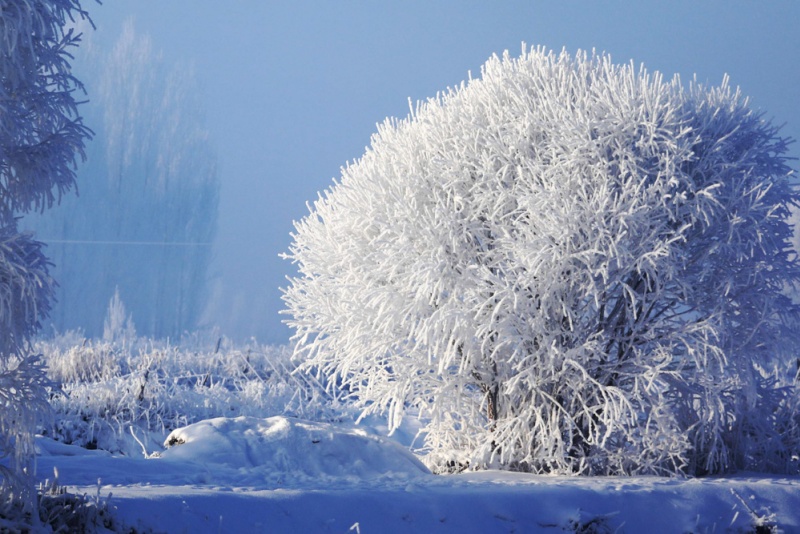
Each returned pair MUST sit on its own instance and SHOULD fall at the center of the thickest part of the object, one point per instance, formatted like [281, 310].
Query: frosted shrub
[566, 266]
[86, 362]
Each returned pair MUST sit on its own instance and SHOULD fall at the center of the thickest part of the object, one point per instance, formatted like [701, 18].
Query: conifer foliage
[41, 136]
[565, 266]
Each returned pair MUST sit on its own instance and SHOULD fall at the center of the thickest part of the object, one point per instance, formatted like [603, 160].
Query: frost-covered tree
[147, 206]
[41, 136]
[118, 326]
[565, 266]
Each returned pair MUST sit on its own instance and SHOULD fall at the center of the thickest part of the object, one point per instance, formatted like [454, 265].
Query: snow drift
[282, 447]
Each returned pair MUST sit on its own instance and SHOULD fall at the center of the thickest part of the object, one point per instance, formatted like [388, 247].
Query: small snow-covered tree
[565, 266]
[41, 135]
[118, 326]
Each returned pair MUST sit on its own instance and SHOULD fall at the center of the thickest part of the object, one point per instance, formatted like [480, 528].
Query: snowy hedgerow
[41, 135]
[105, 392]
[565, 266]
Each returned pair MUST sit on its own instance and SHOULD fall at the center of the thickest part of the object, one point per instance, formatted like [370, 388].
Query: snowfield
[280, 474]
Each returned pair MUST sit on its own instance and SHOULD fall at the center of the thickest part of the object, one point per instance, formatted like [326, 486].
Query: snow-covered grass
[111, 395]
[234, 442]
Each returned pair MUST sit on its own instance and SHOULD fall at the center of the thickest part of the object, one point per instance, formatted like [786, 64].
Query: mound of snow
[292, 448]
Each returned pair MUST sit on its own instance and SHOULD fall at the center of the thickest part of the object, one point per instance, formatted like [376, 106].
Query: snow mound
[292, 448]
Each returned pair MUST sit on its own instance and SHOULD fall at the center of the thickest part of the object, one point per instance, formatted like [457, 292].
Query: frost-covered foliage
[60, 511]
[567, 266]
[147, 209]
[23, 404]
[26, 289]
[41, 137]
[104, 389]
[118, 326]
[41, 132]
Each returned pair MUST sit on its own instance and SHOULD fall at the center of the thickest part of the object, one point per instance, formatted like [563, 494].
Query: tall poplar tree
[146, 213]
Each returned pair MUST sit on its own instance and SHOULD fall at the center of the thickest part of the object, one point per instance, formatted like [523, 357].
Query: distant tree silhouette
[147, 209]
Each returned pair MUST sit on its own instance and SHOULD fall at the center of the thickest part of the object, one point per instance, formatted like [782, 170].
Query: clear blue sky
[293, 89]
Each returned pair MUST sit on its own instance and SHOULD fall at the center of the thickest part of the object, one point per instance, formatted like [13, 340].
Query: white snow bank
[291, 448]
[49, 447]
[225, 479]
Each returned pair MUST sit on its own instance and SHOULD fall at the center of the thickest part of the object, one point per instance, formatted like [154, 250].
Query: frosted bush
[565, 266]
[93, 362]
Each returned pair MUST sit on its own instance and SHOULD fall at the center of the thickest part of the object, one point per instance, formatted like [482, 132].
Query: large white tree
[41, 135]
[565, 266]
[147, 207]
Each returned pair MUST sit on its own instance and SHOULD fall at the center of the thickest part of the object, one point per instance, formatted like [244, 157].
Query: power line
[134, 243]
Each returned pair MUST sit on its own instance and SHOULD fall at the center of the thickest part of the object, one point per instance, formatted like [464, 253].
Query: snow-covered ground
[280, 474]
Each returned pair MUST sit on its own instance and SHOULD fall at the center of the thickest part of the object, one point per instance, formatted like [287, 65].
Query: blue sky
[293, 90]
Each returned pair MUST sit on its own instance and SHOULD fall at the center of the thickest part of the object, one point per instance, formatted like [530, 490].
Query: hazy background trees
[146, 213]
[566, 266]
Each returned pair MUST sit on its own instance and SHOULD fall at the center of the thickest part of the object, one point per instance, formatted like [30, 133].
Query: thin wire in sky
[135, 243]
